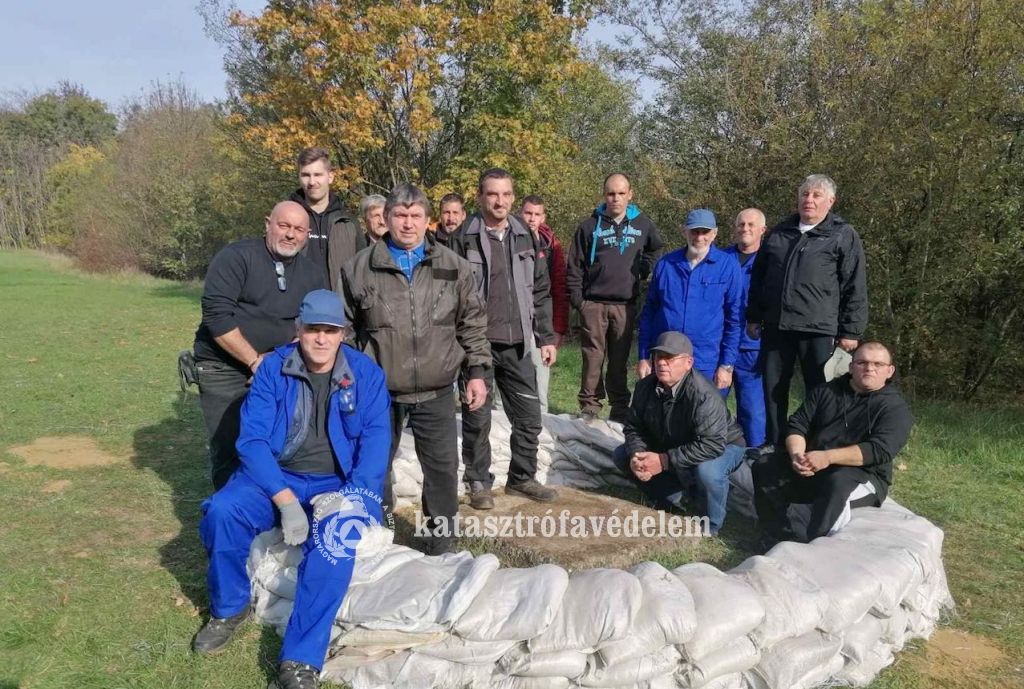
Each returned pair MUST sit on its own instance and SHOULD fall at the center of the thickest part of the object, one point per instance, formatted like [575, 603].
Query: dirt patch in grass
[56, 486]
[957, 659]
[65, 452]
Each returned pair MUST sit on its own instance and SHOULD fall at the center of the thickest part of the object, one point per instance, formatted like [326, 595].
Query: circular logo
[341, 520]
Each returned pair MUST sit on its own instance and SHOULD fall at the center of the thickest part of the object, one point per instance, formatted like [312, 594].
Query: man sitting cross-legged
[679, 431]
[315, 429]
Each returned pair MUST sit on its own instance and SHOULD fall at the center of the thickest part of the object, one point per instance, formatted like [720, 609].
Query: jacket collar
[333, 203]
[295, 366]
[380, 253]
[475, 225]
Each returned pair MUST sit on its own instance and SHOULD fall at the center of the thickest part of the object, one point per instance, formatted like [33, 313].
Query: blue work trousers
[750, 409]
[232, 518]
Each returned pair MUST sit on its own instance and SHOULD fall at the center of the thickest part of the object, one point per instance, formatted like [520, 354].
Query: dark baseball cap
[322, 307]
[673, 343]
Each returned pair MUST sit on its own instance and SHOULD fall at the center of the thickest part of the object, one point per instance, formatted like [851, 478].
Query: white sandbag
[894, 629]
[283, 582]
[528, 683]
[863, 673]
[734, 681]
[458, 650]
[919, 625]
[368, 674]
[895, 569]
[599, 605]
[863, 636]
[851, 589]
[726, 608]
[520, 662]
[514, 604]
[799, 663]
[421, 595]
[422, 671]
[631, 672]
[666, 616]
[358, 637]
[736, 656]
[382, 563]
[793, 604]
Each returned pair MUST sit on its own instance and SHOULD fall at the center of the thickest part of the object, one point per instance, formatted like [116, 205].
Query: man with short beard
[453, 214]
[250, 299]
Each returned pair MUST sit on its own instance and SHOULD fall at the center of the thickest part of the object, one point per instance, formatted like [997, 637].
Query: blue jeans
[710, 480]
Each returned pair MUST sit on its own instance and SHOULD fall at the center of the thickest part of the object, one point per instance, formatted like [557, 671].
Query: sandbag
[360, 636]
[851, 589]
[529, 683]
[599, 605]
[736, 656]
[520, 662]
[894, 629]
[514, 604]
[862, 637]
[631, 672]
[863, 673]
[368, 674]
[726, 608]
[458, 650]
[793, 604]
[799, 663]
[895, 569]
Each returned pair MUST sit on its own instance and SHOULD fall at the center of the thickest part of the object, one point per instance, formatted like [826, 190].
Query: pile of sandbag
[830, 612]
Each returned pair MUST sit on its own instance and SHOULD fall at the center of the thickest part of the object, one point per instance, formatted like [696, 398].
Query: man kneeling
[315, 437]
[839, 449]
[678, 429]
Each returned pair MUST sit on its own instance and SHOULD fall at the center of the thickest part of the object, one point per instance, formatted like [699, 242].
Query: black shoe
[619, 416]
[480, 497]
[755, 453]
[292, 675]
[533, 490]
[217, 632]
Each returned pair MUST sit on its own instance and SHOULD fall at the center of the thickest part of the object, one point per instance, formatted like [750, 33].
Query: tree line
[915, 109]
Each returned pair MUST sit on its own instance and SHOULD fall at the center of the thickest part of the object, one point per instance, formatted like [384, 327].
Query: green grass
[102, 585]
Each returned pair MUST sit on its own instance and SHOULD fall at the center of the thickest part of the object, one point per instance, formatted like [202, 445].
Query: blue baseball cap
[700, 219]
[322, 307]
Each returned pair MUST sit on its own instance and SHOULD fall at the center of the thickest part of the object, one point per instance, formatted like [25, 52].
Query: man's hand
[548, 354]
[723, 378]
[754, 330]
[800, 465]
[476, 393]
[846, 344]
[559, 338]
[643, 368]
[816, 460]
[645, 465]
[255, 364]
[294, 523]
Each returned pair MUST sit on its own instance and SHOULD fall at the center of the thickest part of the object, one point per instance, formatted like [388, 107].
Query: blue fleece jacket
[702, 302]
[275, 419]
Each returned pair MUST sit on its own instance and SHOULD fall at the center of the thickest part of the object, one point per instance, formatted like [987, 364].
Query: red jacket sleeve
[559, 292]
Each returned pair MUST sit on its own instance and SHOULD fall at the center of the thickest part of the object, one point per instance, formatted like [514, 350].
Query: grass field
[102, 573]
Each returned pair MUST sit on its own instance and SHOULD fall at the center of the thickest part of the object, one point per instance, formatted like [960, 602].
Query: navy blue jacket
[275, 419]
[703, 303]
[747, 343]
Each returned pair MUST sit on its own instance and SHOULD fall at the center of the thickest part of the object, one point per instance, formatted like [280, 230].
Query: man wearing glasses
[250, 300]
[839, 449]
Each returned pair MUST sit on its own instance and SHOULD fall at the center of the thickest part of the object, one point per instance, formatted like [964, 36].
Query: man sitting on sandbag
[679, 432]
[839, 449]
[314, 443]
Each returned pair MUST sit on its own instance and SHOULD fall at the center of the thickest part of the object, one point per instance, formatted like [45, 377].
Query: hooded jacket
[550, 249]
[834, 415]
[334, 235]
[423, 331]
[275, 419]
[812, 282]
[609, 260]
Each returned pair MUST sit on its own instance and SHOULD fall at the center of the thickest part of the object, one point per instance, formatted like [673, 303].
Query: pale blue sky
[114, 48]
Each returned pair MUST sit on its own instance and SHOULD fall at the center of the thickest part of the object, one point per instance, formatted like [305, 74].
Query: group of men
[321, 342]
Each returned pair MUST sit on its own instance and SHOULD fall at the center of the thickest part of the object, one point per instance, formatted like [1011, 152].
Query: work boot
[480, 497]
[217, 632]
[533, 490]
[292, 675]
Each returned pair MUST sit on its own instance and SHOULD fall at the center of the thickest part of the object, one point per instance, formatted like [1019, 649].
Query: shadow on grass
[175, 450]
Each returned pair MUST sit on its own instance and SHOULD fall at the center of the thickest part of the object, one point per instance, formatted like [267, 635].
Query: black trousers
[779, 351]
[776, 486]
[222, 389]
[433, 431]
[516, 380]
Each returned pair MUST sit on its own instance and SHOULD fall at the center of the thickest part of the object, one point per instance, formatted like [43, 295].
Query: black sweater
[241, 291]
[835, 416]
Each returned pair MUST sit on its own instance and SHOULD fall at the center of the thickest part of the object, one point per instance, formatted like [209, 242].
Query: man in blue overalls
[749, 229]
[696, 291]
[314, 444]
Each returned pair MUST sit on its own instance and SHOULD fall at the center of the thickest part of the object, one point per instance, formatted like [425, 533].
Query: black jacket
[421, 333]
[691, 428]
[813, 283]
[608, 261]
[834, 416]
[529, 276]
[334, 235]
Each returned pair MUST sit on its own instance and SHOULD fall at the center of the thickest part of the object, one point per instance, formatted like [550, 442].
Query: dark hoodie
[334, 235]
[608, 261]
[834, 415]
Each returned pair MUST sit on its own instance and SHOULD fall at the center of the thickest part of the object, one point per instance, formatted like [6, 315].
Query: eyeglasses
[872, 364]
[282, 284]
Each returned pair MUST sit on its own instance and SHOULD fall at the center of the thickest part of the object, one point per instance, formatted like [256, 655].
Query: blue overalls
[750, 409]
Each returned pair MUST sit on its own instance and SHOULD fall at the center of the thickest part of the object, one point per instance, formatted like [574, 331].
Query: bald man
[612, 252]
[250, 300]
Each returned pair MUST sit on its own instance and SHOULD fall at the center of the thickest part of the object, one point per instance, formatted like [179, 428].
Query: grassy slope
[100, 585]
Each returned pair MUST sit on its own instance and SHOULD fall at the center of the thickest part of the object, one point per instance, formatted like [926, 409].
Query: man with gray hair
[371, 210]
[415, 309]
[808, 294]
